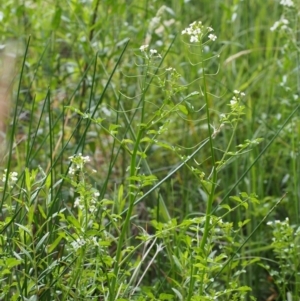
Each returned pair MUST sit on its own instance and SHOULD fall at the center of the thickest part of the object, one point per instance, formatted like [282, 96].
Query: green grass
[135, 175]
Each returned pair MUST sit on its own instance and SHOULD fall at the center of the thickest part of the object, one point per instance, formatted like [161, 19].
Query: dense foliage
[152, 150]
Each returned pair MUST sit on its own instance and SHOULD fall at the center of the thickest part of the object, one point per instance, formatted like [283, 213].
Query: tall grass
[162, 172]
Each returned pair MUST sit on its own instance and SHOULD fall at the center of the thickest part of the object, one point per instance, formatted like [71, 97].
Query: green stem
[211, 194]
[132, 193]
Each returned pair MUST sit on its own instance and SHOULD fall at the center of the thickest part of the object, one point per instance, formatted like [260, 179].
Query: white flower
[288, 3]
[194, 39]
[209, 29]
[153, 51]
[144, 47]
[12, 177]
[78, 243]
[78, 204]
[71, 171]
[94, 241]
[275, 26]
[92, 209]
[212, 37]
[282, 24]
[86, 159]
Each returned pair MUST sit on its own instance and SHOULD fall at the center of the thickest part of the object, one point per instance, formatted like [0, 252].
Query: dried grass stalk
[7, 71]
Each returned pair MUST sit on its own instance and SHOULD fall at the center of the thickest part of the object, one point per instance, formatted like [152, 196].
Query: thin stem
[132, 192]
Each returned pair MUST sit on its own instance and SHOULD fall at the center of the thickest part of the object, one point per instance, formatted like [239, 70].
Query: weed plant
[150, 159]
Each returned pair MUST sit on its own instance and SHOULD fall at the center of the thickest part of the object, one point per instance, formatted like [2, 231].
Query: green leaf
[12, 262]
[40, 243]
[183, 109]
[27, 180]
[177, 263]
[243, 223]
[56, 18]
[225, 206]
[74, 222]
[56, 242]
[42, 212]
[24, 228]
[165, 296]
[178, 294]
[235, 198]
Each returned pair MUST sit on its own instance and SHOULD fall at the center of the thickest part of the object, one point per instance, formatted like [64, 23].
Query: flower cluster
[278, 223]
[78, 161]
[143, 48]
[152, 52]
[236, 97]
[197, 30]
[80, 242]
[281, 24]
[89, 199]
[288, 3]
[12, 177]
[284, 242]
[237, 109]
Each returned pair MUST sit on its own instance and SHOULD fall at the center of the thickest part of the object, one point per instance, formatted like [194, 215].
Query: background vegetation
[143, 175]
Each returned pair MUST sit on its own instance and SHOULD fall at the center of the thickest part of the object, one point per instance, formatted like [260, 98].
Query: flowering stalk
[197, 31]
[133, 171]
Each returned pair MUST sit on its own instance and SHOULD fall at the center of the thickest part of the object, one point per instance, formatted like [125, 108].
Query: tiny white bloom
[153, 51]
[285, 21]
[14, 176]
[288, 3]
[77, 202]
[144, 47]
[92, 209]
[86, 159]
[194, 39]
[71, 171]
[212, 37]
[275, 26]
[282, 24]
